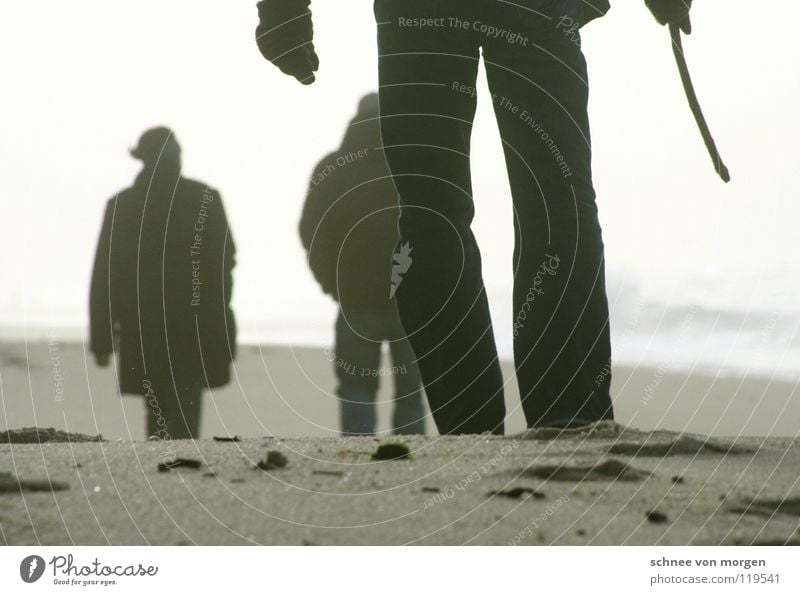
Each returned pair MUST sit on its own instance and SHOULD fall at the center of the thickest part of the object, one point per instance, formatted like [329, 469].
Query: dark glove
[672, 12]
[285, 36]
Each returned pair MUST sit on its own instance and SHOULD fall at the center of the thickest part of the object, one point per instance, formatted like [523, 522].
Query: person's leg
[408, 416]
[173, 417]
[540, 92]
[356, 361]
[427, 109]
[191, 408]
[154, 417]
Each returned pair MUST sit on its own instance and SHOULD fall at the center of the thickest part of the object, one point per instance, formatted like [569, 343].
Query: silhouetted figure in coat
[161, 289]
[349, 229]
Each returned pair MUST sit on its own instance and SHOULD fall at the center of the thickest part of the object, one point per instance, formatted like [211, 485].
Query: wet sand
[289, 392]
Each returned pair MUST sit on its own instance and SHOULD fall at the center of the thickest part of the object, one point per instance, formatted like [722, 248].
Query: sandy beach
[467, 490]
[616, 486]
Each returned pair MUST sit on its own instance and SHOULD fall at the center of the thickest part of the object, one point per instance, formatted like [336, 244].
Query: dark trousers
[537, 78]
[173, 409]
[359, 338]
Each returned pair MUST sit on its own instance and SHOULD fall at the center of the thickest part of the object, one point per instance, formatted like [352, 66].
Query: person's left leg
[537, 76]
[409, 410]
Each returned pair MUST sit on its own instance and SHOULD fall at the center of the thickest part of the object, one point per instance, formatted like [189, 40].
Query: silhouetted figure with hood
[428, 58]
[349, 230]
[161, 289]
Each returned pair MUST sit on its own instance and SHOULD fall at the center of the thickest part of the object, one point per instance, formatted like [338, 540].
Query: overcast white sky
[82, 79]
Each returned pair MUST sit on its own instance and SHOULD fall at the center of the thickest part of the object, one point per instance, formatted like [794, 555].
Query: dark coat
[162, 283]
[349, 221]
[594, 8]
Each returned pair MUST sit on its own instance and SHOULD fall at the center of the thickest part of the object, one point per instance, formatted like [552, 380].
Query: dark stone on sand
[11, 485]
[275, 459]
[768, 507]
[43, 485]
[517, 493]
[327, 472]
[227, 439]
[609, 470]
[677, 479]
[657, 517]
[431, 490]
[179, 463]
[581, 532]
[42, 435]
[391, 451]
[680, 445]
[209, 474]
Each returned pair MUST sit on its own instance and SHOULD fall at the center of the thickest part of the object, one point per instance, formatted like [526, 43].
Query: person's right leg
[427, 107]
[562, 347]
[173, 412]
[191, 402]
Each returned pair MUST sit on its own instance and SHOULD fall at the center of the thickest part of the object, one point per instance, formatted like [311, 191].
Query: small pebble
[179, 462]
[391, 451]
[275, 460]
[42, 485]
[517, 493]
[657, 517]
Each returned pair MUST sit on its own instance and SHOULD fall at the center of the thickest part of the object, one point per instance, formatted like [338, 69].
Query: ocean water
[671, 336]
